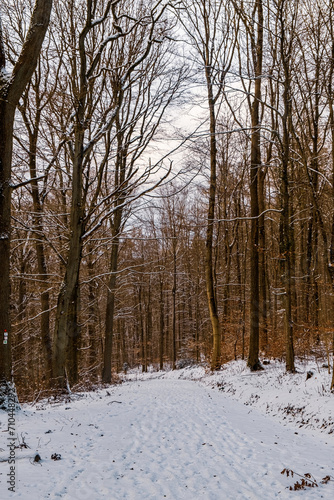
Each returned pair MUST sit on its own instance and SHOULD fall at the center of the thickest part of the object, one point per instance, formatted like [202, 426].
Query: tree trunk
[262, 263]
[209, 275]
[253, 355]
[110, 311]
[67, 331]
[142, 331]
[41, 259]
[286, 240]
[93, 357]
[11, 89]
[162, 326]
[174, 348]
[287, 277]
[6, 134]
[330, 260]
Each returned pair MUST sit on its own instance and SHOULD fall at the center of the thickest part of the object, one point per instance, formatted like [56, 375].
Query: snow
[292, 398]
[185, 434]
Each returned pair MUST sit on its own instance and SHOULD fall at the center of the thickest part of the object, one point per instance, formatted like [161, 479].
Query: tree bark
[110, 311]
[162, 325]
[330, 259]
[174, 288]
[67, 330]
[286, 240]
[93, 319]
[253, 355]
[11, 89]
[262, 262]
[209, 274]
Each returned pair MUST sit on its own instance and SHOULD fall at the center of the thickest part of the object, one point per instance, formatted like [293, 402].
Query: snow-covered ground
[303, 399]
[180, 435]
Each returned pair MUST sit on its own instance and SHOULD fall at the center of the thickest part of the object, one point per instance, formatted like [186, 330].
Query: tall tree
[209, 26]
[90, 38]
[101, 86]
[330, 253]
[251, 15]
[150, 89]
[286, 21]
[12, 85]
[257, 54]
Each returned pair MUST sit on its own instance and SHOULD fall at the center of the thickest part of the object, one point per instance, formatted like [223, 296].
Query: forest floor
[186, 434]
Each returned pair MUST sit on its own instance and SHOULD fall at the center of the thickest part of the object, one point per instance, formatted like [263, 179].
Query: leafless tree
[12, 85]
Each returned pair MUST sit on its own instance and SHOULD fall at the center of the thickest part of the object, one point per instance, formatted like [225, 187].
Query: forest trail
[164, 438]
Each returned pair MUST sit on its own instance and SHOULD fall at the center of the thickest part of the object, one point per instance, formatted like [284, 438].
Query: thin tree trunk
[286, 255]
[253, 355]
[262, 262]
[93, 316]
[162, 326]
[149, 324]
[330, 262]
[40, 253]
[209, 272]
[110, 311]
[142, 331]
[286, 241]
[174, 349]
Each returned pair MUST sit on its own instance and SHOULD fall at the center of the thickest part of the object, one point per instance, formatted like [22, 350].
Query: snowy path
[165, 438]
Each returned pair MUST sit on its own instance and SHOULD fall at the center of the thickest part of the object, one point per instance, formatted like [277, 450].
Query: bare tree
[286, 21]
[142, 106]
[209, 27]
[12, 85]
[100, 84]
[33, 107]
[251, 15]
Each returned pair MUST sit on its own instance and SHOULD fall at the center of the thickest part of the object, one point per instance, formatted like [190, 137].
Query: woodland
[166, 187]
